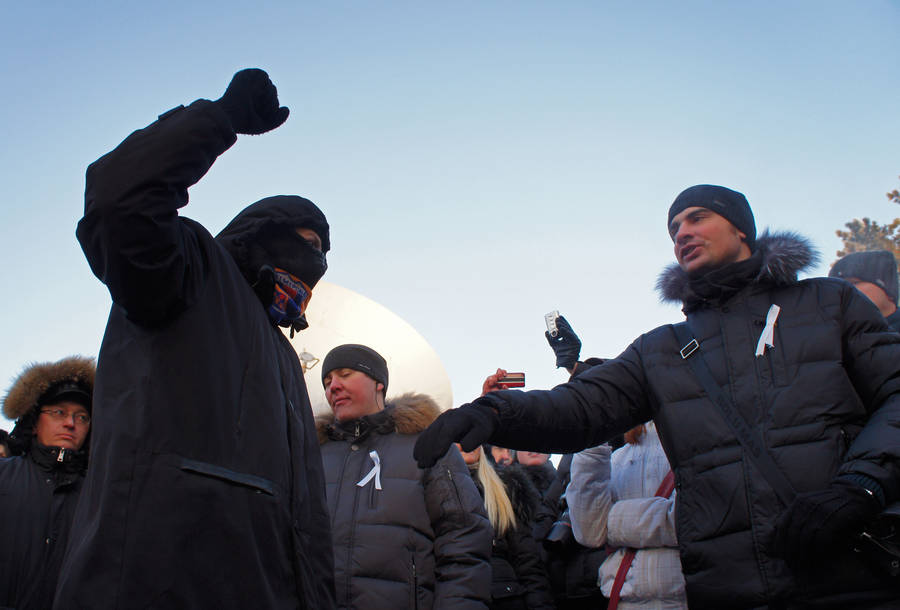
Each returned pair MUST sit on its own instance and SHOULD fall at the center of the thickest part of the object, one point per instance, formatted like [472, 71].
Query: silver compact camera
[550, 319]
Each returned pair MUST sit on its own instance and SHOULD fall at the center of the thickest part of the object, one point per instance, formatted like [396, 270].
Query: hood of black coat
[408, 413]
[262, 236]
[283, 210]
[242, 236]
[781, 255]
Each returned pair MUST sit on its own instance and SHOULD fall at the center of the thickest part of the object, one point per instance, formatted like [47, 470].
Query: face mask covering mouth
[290, 297]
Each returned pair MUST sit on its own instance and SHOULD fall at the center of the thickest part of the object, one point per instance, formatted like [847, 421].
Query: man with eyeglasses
[41, 480]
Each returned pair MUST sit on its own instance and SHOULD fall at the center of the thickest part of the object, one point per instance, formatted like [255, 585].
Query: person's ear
[379, 387]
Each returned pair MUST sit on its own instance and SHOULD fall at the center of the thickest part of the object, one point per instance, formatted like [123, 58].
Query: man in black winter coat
[41, 480]
[206, 487]
[810, 364]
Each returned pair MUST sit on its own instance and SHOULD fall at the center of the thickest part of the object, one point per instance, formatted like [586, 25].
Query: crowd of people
[741, 459]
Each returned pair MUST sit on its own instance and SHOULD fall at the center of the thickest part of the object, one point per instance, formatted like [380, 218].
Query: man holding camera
[811, 365]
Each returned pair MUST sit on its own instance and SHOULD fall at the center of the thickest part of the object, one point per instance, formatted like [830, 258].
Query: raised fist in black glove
[470, 425]
[819, 522]
[566, 344]
[251, 103]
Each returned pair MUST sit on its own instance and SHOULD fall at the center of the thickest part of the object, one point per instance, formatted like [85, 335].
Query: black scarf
[714, 288]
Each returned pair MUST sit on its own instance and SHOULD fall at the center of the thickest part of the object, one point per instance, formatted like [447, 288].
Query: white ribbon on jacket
[768, 334]
[375, 473]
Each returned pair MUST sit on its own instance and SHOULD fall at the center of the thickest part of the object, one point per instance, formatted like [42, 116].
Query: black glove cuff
[566, 361]
[490, 405]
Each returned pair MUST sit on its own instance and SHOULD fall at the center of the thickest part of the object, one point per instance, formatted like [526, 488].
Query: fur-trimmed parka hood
[37, 378]
[523, 495]
[541, 475]
[782, 256]
[408, 413]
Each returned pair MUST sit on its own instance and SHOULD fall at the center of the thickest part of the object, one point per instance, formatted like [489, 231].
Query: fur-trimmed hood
[541, 475]
[783, 255]
[523, 495]
[37, 378]
[408, 413]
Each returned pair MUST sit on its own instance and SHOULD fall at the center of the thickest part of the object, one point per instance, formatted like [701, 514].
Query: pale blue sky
[481, 163]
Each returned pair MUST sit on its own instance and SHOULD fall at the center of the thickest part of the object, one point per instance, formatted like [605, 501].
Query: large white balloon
[337, 315]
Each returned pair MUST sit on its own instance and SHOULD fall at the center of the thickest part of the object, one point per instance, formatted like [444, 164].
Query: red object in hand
[512, 380]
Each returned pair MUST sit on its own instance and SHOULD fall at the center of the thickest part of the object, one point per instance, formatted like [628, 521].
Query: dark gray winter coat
[826, 399]
[422, 540]
[205, 488]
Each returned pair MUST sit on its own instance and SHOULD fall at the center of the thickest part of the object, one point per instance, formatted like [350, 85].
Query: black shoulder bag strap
[751, 441]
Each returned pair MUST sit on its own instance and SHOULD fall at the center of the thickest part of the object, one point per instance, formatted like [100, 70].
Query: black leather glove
[819, 522]
[470, 425]
[566, 344]
[251, 103]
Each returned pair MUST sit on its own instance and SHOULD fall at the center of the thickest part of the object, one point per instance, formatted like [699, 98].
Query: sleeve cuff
[867, 483]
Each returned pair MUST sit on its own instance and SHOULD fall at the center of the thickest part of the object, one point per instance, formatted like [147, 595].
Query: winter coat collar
[57, 459]
[409, 413]
[781, 256]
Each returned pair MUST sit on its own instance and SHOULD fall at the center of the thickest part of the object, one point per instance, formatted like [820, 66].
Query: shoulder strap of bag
[664, 491]
[751, 442]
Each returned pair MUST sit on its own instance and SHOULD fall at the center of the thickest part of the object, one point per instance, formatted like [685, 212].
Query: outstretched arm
[594, 406]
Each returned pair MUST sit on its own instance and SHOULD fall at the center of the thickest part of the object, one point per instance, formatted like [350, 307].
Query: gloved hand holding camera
[566, 344]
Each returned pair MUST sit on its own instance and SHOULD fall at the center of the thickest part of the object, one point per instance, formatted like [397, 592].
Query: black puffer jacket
[571, 567]
[38, 493]
[519, 576]
[826, 399]
[543, 477]
[205, 487]
[423, 539]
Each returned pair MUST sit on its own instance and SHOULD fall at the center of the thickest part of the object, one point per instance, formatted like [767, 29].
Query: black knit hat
[358, 358]
[729, 204]
[878, 267]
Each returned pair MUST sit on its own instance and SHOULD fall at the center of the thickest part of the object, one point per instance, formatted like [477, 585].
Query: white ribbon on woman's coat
[768, 334]
[375, 473]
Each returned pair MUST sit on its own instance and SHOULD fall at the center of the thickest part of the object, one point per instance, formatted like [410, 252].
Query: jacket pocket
[258, 484]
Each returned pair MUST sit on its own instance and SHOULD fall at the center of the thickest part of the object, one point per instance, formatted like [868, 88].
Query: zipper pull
[61, 456]
[356, 434]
